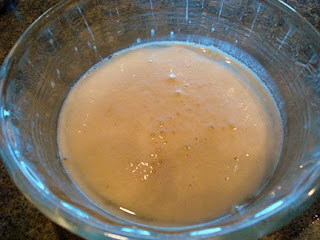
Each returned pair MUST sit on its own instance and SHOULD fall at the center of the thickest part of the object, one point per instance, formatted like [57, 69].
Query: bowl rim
[76, 221]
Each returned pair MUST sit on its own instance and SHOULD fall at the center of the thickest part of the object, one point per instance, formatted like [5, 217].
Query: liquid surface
[172, 134]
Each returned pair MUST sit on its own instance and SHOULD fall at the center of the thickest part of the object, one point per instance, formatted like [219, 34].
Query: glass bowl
[72, 36]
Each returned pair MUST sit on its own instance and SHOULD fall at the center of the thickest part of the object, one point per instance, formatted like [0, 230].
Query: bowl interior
[73, 36]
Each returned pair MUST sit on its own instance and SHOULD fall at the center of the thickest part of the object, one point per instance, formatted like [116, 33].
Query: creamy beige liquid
[170, 133]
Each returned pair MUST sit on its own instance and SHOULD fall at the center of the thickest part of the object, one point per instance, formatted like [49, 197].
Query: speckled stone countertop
[19, 219]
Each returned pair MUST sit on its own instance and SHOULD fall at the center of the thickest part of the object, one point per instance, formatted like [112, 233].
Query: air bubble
[152, 135]
[178, 92]
[236, 168]
[172, 75]
[232, 127]
[138, 40]
[154, 155]
[172, 34]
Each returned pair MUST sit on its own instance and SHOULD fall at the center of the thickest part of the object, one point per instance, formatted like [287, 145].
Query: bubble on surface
[178, 92]
[232, 127]
[172, 75]
[236, 168]
[152, 136]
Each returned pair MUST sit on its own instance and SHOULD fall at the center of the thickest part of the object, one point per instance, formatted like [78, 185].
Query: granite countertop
[19, 219]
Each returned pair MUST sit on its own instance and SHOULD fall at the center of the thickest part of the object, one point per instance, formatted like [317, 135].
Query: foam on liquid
[171, 134]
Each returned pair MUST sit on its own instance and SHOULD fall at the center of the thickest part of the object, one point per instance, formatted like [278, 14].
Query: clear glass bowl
[74, 35]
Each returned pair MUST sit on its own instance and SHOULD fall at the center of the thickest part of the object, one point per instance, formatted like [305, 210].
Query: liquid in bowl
[170, 134]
